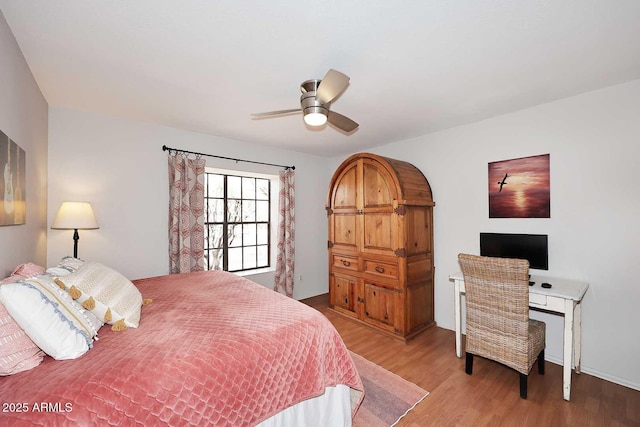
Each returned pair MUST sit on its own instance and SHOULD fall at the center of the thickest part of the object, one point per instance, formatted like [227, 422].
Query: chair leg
[469, 365]
[541, 362]
[523, 386]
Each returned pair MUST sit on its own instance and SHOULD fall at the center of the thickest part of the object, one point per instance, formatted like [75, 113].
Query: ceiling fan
[315, 102]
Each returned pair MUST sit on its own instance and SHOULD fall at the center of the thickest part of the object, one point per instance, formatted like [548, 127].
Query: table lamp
[75, 216]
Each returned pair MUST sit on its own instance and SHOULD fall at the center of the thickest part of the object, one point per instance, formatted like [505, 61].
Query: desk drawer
[537, 300]
[546, 302]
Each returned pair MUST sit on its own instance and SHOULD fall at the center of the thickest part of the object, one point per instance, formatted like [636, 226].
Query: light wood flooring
[489, 397]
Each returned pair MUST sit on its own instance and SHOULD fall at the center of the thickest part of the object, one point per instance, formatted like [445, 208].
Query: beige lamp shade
[75, 216]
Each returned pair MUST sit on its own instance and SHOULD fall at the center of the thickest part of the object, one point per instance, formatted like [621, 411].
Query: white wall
[119, 167]
[23, 117]
[594, 231]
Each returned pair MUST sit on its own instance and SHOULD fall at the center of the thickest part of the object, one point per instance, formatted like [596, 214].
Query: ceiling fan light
[315, 119]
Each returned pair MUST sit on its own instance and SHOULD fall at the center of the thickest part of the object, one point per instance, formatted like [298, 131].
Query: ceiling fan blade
[276, 113]
[332, 85]
[341, 122]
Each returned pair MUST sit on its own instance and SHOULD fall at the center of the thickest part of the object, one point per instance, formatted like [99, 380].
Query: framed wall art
[12, 182]
[520, 188]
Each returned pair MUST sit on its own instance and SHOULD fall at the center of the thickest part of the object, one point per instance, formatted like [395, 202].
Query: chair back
[497, 302]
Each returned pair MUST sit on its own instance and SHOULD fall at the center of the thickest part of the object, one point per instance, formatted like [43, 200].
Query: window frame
[271, 222]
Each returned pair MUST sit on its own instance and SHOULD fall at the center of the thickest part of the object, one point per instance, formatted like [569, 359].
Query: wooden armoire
[381, 272]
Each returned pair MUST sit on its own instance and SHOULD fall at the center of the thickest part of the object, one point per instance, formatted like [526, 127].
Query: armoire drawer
[383, 269]
[345, 262]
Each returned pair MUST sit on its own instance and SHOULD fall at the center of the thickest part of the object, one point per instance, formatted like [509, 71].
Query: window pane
[233, 210]
[215, 236]
[233, 187]
[248, 210]
[215, 210]
[262, 210]
[262, 189]
[263, 256]
[237, 221]
[248, 188]
[249, 234]
[215, 185]
[215, 259]
[263, 234]
[235, 259]
[234, 235]
[249, 257]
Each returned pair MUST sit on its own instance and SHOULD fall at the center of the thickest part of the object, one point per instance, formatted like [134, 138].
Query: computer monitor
[532, 247]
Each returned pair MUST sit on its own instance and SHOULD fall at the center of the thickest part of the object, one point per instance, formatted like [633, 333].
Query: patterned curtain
[286, 234]
[186, 214]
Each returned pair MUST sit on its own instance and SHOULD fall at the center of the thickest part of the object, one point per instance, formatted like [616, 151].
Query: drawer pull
[379, 269]
[345, 263]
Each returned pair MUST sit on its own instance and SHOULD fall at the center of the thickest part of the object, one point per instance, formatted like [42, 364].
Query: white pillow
[110, 295]
[67, 265]
[50, 317]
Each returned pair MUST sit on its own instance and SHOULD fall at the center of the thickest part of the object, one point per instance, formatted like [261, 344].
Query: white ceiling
[415, 66]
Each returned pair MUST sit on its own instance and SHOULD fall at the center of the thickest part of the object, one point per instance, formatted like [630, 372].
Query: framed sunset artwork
[520, 188]
[12, 182]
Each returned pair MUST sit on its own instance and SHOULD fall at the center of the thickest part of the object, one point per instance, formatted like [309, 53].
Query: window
[237, 221]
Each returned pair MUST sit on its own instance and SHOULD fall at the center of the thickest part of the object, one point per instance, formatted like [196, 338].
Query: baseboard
[598, 374]
[610, 378]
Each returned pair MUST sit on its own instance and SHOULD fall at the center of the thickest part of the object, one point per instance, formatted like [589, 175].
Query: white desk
[562, 298]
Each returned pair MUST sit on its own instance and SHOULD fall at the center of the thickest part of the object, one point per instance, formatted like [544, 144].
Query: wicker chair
[498, 324]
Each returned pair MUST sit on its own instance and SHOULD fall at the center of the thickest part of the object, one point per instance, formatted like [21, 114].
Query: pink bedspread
[212, 349]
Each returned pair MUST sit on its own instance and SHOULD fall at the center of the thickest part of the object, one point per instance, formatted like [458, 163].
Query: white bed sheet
[333, 408]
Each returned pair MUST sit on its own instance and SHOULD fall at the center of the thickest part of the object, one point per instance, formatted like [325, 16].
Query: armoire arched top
[407, 183]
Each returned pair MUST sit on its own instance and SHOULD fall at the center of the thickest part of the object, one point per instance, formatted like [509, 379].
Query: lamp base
[76, 237]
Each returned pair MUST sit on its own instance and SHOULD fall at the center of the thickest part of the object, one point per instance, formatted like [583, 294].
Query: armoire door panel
[376, 186]
[379, 304]
[345, 193]
[379, 232]
[344, 230]
[343, 291]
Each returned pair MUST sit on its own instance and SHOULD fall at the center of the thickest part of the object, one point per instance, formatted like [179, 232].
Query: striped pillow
[17, 352]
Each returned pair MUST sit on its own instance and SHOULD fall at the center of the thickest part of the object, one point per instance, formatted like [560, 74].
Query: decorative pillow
[27, 270]
[23, 271]
[50, 317]
[17, 352]
[67, 265]
[110, 295]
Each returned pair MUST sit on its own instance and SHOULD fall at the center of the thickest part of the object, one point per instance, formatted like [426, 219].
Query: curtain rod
[175, 150]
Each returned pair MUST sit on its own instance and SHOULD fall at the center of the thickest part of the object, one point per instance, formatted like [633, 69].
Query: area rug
[387, 396]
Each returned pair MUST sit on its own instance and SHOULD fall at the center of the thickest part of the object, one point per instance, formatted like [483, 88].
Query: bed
[211, 348]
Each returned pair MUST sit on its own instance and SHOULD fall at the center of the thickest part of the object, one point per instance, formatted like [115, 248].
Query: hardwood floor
[491, 395]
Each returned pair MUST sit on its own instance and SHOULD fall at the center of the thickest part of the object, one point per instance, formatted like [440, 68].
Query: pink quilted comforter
[212, 349]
